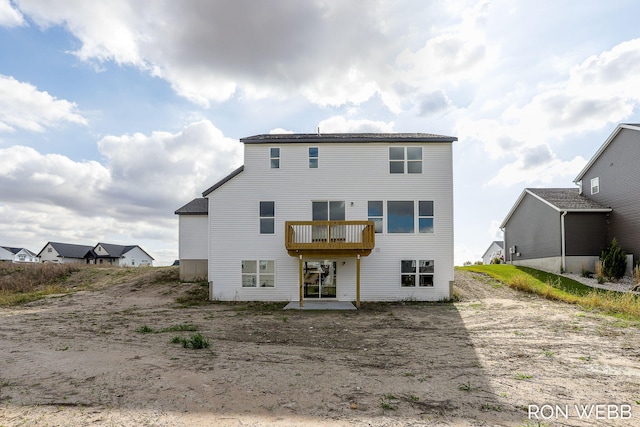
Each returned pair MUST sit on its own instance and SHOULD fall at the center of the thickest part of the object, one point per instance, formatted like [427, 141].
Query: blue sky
[115, 113]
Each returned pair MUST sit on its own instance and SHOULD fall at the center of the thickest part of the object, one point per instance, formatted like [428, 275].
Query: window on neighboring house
[416, 273]
[267, 217]
[400, 217]
[375, 214]
[274, 156]
[595, 185]
[313, 157]
[425, 216]
[405, 160]
[258, 274]
[48, 249]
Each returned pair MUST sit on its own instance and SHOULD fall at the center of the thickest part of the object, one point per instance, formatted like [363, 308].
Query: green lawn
[552, 286]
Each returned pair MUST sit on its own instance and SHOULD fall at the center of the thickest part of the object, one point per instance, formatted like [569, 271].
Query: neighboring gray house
[565, 229]
[495, 250]
[555, 229]
[193, 243]
[612, 178]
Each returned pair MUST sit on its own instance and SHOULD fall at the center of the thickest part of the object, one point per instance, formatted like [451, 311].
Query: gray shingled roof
[566, 198]
[195, 207]
[347, 137]
[69, 250]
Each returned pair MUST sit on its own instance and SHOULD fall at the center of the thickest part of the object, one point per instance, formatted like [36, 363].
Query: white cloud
[600, 91]
[131, 198]
[338, 124]
[214, 50]
[23, 106]
[10, 17]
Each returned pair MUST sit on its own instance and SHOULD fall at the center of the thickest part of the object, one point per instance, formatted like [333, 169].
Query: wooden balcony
[329, 238]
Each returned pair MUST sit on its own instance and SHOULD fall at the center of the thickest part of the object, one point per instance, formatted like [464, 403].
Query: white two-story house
[342, 217]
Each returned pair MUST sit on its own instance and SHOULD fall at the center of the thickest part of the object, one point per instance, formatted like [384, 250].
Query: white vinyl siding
[353, 173]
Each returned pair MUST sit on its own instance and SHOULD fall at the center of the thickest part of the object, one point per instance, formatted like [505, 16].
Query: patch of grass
[196, 341]
[620, 304]
[197, 295]
[145, 330]
[389, 402]
[521, 376]
[182, 327]
[488, 407]
[465, 386]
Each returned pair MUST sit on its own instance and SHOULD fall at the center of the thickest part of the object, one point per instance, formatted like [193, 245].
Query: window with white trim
[416, 273]
[267, 217]
[313, 157]
[274, 157]
[258, 274]
[425, 216]
[375, 214]
[405, 160]
[595, 185]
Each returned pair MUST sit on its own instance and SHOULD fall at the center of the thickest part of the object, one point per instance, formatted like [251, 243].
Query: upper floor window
[401, 216]
[313, 157]
[405, 160]
[274, 157]
[328, 211]
[375, 214]
[425, 216]
[595, 185]
[267, 217]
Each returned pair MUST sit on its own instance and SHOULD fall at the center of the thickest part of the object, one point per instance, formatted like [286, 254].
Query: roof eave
[602, 148]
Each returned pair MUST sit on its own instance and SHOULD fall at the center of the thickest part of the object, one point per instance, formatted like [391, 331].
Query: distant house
[193, 241]
[565, 229]
[120, 256]
[17, 254]
[101, 254]
[495, 250]
[65, 253]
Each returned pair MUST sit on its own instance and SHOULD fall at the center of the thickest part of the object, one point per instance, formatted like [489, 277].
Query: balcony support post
[301, 279]
[358, 281]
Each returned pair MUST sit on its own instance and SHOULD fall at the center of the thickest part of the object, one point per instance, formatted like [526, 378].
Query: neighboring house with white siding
[18, 255]
[105, 254]
[193, 239]
[495, 250]
[121, 256]
[344, 217]
[65, 253]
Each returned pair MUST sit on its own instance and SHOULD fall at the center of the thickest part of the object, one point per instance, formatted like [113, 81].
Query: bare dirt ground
[77, 360]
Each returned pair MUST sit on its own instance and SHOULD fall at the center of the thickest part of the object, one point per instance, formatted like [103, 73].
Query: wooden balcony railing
[329, 237]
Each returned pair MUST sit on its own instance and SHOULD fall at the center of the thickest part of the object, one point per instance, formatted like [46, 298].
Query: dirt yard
[79, 360]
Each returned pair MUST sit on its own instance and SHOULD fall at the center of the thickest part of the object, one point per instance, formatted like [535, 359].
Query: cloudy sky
[115, 113]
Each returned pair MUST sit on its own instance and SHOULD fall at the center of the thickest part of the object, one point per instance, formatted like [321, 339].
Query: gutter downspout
[563, 249]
